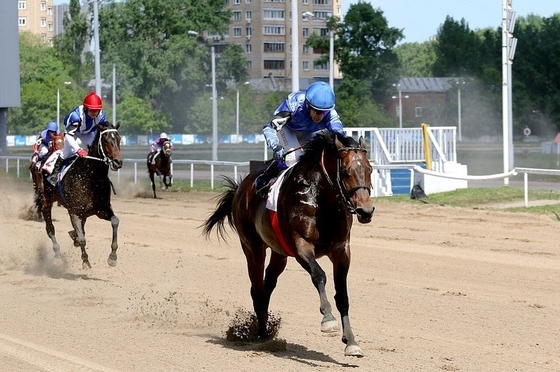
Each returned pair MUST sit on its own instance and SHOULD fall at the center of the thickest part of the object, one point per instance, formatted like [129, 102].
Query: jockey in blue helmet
[41, 146]
[295, 122]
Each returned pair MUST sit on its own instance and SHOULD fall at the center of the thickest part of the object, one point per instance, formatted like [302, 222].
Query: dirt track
[431, 288]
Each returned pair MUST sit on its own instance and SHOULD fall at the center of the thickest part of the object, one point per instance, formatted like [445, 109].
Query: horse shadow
[295, 352]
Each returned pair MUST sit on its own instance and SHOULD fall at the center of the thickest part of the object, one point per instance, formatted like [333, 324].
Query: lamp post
[58, 102]
[400, 97]
[459, 134]
[295, 46]
[331, 51]
[237, 113]
[214, 102]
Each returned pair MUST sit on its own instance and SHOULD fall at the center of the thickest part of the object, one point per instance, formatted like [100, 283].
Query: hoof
[57, 255]
[112, 261]
[86, 265]
[330, 326]
[353, 350]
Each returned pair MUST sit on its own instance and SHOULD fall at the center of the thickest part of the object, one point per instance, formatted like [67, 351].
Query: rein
[105, 159]
[341, 189]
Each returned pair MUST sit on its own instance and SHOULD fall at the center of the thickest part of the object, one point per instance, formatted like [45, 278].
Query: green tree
[41, 74]
[364, 48]
[138, 118]
[70, 44]
[416, 59]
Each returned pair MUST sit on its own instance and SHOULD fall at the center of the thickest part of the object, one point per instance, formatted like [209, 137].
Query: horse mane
[324, 140]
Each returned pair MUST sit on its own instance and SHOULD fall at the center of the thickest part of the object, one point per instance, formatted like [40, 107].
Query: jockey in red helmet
[81, 123]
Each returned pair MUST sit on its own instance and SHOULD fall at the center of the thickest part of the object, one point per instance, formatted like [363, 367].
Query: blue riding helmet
[52, 126]
[320, 96]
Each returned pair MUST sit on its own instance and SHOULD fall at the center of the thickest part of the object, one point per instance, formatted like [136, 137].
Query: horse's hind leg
[78, 235]
[153, 183]
[260, 288]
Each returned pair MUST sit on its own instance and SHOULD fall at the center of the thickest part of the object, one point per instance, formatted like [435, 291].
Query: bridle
[343, 194]
[104, 158]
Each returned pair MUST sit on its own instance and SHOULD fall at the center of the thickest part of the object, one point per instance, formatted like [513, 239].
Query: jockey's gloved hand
[278, 153]
[81, 153]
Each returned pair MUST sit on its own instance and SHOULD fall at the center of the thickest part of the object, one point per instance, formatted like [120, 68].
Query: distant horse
[162, 167]
[85, 190]
[319, 195]
[35, 168]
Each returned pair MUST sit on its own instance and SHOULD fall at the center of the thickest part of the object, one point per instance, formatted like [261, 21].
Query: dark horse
[162, 166]
[319, 195]
[85, 190]
[35, 168]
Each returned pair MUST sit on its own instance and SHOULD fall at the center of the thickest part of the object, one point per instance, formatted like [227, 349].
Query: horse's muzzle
[365, 214]
[116, 164]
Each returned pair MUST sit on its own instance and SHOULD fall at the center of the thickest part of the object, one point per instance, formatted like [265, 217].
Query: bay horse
[35, 168]
[85, 190]
[162, 167]
[319, 196]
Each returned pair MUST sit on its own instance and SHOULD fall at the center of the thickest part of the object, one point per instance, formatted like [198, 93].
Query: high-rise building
[263, 28]
[59, 13]
[37, 16]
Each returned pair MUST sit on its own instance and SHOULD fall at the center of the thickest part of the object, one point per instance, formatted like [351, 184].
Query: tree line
[163, 69]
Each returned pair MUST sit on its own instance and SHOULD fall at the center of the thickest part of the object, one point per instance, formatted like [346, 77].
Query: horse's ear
[363, 143]
[118, 125]
[337, 142]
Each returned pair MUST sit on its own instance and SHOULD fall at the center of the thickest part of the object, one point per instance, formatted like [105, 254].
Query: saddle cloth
[272, 199]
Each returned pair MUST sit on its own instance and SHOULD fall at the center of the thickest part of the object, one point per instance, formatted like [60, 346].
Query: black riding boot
[263, 180]
[53, 178]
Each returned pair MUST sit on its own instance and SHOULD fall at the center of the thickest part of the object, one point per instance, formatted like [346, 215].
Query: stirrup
[53, 179]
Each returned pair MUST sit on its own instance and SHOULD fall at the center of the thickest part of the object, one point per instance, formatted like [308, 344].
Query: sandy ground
[431, 289]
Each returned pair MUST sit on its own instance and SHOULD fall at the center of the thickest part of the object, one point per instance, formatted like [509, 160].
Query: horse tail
[223, 210]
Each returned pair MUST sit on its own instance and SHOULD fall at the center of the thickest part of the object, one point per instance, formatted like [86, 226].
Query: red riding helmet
[93, 101]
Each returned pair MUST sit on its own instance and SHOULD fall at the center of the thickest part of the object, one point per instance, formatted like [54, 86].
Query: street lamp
[400, 97]
[459, 135]
[214, 102]
[58, 102]
[331, 51]
[237, 113]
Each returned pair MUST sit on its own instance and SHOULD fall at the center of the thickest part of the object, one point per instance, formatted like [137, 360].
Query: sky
[421, 19]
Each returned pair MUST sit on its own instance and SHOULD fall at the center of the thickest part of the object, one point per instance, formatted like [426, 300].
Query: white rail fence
[19, 163]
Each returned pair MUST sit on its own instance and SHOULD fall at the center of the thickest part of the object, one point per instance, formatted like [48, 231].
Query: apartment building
[263, 28]
[37, 16]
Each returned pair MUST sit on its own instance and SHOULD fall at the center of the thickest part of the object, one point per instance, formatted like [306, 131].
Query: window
[249, 65]
[321, 2]
[273, 1]
[305, 49]
[248, 31]
[237, 32]
[22, 21]
[237, 15]
[43, 6]
[236, 2]
[306, 65]
[274, 30]
[322, 15]
[324, 66]
[248, 15]
[22, 5]
[49, 11]
[274, 47]
[418, 111]
[248, 48]
[305, 2]
[271, 64]
[305, 32]
[43, 22]
[321, 31]
[50, 27]
[273, 14]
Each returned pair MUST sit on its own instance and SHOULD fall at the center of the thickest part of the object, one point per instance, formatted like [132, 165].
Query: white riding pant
[86, 139]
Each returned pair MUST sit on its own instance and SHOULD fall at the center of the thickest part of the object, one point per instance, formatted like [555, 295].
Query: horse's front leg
[46, 210]
[78, 235]
[319, 279]
[341, 265]
[112, 259]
